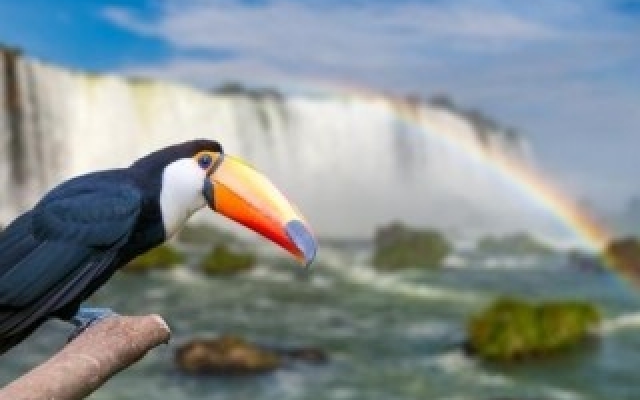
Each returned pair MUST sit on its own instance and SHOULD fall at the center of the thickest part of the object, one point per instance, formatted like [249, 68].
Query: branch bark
[91, 359]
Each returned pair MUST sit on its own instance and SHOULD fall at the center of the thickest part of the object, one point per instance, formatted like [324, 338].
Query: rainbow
[590, 233]
[522, 177]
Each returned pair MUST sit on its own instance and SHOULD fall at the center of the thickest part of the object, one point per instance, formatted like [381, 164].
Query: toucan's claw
[87, 316]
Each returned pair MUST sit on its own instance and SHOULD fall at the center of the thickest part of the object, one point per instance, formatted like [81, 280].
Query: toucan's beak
[239, 192]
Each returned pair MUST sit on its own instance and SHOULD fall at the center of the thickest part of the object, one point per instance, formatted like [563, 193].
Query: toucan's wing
[95, 215]
[49, 255]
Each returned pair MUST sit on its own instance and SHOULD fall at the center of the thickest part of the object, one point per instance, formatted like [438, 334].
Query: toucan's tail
[13, 330]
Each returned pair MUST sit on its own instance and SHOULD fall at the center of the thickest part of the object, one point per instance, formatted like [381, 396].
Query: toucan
[54, 256]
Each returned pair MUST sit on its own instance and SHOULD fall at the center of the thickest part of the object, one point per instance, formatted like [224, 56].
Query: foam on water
[629, 321]
[393, 283]
[466, 369]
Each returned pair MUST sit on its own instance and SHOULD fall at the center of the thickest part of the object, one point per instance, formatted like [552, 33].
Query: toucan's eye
[205, 161]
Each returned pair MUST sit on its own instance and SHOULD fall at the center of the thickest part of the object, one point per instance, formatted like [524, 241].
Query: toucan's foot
[87, 316]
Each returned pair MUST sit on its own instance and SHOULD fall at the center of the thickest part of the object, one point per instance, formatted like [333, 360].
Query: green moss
[224, 260]
[161, 257]
[515, 244]
[205, 234]
[512, 329]
[398, 246]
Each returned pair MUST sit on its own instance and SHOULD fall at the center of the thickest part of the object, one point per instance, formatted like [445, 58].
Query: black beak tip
[303, 239]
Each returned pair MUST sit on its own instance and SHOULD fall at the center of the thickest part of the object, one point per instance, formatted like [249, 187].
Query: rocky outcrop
[234, 355]
[200, 234]
[400, 246]
[512, 329]
[517, 244]
[624, 255]
[585, 262]
[226, 259]
[161, 257]
[225, 355]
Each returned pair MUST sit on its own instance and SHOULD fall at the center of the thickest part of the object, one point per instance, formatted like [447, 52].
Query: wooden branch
[87, 362]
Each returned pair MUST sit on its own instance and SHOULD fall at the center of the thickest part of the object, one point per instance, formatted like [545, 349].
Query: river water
[388, 336]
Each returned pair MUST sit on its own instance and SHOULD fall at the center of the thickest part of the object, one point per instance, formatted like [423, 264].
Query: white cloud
[380, 44]
[290, 35]
[123, 18]
[563, 69]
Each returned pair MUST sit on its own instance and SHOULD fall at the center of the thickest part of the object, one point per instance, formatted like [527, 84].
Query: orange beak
[242, 194]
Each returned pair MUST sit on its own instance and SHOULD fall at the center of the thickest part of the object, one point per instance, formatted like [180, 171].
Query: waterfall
[350, 162]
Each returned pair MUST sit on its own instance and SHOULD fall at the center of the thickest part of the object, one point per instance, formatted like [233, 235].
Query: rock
[399, 246]
[518, 244]
[584, 262]
[223, 259]
[161, 257]
[512, 329]
[225, 355]
[205, 234]
[624, 255]
[311, 355]
[233, 355]
[517, 398]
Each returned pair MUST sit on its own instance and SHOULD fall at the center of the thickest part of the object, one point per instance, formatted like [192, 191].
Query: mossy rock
[520, 244]
[223, 259]
[204, 234]
[238, 89]
[512, 329]
[225, 355]
[12, 50]
[585, 262]
[161, 257]
[399, 246]
[624, 255]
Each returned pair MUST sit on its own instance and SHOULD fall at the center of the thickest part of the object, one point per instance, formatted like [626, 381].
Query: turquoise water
[389, 336]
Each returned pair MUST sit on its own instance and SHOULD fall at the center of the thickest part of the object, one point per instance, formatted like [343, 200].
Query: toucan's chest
[169, 199]
[180, 194]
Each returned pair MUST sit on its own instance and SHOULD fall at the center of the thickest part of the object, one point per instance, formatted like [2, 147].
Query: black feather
[56, 255]
[51, 256]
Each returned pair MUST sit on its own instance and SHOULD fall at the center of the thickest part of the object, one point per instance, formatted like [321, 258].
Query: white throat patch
[181, 194]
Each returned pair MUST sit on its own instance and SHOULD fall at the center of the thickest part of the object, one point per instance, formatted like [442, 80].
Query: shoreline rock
[624, 254]
[399, 246]
[515, 330]
[233, 355]
[162, 257]
[224, 259]
[226, 355]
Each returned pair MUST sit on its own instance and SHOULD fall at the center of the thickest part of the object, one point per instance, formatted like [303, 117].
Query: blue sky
[566, 73]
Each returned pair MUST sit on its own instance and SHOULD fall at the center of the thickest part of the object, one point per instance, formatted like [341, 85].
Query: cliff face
[25, 168]
[349, 161]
